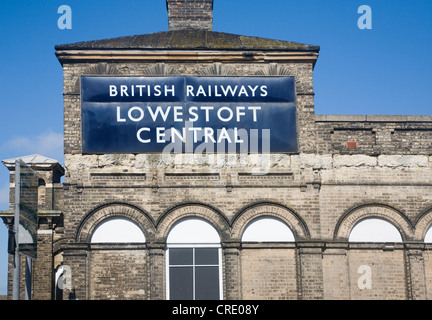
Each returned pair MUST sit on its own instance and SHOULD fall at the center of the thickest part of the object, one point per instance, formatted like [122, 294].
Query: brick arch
[192, 210]
[251, 212]
[422, 224]
[111, 210]
[374, 210]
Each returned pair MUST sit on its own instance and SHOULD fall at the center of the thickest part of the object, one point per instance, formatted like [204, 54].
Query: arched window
[193, 231]
[194, 261]
[428, 235]
[267, 229]
[117, 230]
[374, 230]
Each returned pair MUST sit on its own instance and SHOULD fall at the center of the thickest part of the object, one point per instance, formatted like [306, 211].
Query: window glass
[205, 256]
[194, 273]
[181, 283]
[207, 283]
[181, 256]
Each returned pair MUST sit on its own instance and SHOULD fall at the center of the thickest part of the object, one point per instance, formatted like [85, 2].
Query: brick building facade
[348, 170]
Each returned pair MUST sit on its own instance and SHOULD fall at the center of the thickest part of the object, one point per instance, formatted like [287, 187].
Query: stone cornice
[179, 56]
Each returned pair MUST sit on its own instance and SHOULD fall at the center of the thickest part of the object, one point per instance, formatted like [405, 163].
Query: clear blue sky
[385, 70]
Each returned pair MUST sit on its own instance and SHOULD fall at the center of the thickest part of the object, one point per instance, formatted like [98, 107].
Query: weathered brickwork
[336, 281]
[269, 274]
[375, 135]
[387, 270]
[118, 274]
[348, 168]
[426, 278]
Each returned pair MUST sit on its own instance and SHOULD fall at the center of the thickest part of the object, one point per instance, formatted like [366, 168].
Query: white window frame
[193, 246]
[189, 238]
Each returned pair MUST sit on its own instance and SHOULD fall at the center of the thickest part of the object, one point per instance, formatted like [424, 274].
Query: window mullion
[193, 273]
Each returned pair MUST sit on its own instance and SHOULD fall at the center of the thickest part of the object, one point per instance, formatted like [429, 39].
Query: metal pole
[16, 269]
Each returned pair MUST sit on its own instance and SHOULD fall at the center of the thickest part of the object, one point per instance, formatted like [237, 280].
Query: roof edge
[190, 39]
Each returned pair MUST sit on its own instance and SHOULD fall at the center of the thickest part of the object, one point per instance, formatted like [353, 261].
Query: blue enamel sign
[188, 114]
